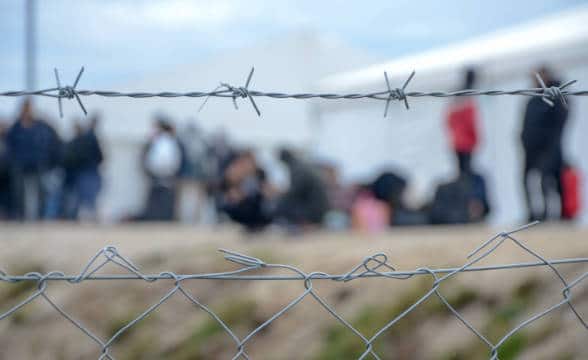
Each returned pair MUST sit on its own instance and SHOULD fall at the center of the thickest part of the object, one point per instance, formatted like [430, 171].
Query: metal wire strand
[549, 94]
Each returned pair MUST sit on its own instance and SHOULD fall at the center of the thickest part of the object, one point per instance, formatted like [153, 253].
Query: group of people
[43, 176]
[185, 164]
[551, 184]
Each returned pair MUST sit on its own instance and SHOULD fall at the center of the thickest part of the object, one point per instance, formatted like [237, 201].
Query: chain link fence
[252, 269]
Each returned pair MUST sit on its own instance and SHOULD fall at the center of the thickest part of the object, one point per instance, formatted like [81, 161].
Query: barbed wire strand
[549, 94]
[375, 266]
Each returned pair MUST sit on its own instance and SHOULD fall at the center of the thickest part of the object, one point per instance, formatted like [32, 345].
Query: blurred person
[5, 193]
[462, 118]
[464, 199]
[194, 174]
[220, 153]
[305, 203]
[541, 138]
[245, 192]
[460, 201]
[390, 188]
[81, 161]
[34, 150]
[368, 213]
[339, 196]
[162, 161]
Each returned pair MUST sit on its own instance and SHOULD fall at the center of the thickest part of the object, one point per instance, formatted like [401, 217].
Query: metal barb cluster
[550, 95]
[68, 92]
[377, 265]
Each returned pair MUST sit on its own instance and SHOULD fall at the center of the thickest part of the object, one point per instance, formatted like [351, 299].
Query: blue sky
[123, 39]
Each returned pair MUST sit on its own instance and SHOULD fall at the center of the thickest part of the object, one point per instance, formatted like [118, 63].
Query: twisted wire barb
[549, 94]
[377, 265]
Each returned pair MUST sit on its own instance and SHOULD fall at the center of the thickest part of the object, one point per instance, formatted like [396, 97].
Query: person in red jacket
[462, 118]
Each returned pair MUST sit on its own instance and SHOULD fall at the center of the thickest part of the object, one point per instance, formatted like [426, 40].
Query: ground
[492, 301]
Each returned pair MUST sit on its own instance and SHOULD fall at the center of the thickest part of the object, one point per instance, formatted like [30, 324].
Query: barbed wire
[377, 265]
[549, 94]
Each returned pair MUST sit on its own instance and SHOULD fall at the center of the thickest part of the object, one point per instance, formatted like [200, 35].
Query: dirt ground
[179, 330]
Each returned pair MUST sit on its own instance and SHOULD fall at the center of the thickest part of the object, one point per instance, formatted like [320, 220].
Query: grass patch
[342, 343]
[207, 337]
[118, 322]
[458, 298]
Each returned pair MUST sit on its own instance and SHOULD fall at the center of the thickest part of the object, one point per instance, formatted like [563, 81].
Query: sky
[123, 40]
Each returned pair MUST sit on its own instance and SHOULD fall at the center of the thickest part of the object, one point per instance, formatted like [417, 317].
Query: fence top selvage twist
[376, 265]
[549, 94]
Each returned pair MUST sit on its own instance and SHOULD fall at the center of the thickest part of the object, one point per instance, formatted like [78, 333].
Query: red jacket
[461, 122]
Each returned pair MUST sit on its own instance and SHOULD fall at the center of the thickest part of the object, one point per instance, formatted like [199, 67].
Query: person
[463, 199]
[305, 202]
[5, 193]
[82, 158]
[245, 192]
[462, 118]
[220, 153]
[162, 160]
[339, 195]
[34, 151]
[194, 175]
[541, 139]
[390, 187]
[460, 201]
[369, 213]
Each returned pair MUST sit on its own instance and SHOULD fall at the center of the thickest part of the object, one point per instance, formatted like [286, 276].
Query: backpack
[570, 197]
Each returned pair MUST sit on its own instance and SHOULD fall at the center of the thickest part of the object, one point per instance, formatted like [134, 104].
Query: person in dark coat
[5, 193]
[541, 137]
[34, 150]
[461, 201]
[305, 202]
[82, 158]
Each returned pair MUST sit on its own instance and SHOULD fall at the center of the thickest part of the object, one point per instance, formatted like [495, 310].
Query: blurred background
[320, 172]
[295, 46]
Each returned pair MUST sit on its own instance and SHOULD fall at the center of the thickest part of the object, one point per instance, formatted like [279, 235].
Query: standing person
[305, 202]
[34, 150]
[162, 160]
[5, 193]
[541, 137]
[82, 158]
[462, 118]
[194, 175]
[219, 154]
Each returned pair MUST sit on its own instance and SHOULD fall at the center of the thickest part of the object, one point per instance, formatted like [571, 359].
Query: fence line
[377, 265]
[549, 94]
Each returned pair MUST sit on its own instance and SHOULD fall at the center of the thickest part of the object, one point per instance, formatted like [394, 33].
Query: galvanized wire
[375, 266]
[549, 94]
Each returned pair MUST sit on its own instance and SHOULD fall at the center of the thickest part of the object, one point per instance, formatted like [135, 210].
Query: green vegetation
[342, 343]
[208, 337]
[504, 318]
[120, 321]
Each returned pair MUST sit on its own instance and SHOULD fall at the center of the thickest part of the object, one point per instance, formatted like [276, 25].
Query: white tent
[356, 135]
[289, 64]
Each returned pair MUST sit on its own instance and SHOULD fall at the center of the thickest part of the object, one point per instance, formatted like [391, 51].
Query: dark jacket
[83, 152]
[542, 133]
[306, 200]
[35, 148]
